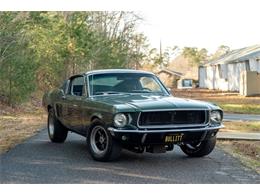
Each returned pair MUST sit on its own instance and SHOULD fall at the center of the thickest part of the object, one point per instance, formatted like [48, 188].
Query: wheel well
[93, 118]
[49, 107]
[91, 124]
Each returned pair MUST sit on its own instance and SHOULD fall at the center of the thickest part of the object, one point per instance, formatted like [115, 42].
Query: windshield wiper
[141, 91]
[150, 92]
[106, 92]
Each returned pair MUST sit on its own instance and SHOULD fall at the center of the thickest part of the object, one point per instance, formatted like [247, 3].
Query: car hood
[139, 102]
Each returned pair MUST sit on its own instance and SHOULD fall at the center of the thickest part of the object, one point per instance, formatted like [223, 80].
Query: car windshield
[115, 83]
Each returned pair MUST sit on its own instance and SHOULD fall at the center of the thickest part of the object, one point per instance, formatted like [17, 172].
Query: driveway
[241, 117]
[39, 161]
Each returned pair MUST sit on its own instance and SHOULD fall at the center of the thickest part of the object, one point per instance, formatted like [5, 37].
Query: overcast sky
[204, 23]
[200, 23]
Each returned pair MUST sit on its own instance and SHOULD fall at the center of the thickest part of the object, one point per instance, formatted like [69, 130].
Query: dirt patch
[15, 129]
[20, 122]
[248, 152]
[245, 126]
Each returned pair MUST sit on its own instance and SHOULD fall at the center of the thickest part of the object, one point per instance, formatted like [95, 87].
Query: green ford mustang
[130, 109]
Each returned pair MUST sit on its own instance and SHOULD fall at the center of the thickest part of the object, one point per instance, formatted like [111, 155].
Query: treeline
[197, 57]
[40, 49]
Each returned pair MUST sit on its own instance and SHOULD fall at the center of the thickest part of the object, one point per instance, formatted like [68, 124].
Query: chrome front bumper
[208, 128]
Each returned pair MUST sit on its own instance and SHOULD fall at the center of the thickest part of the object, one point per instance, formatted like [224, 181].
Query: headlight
[120, 120]
[216, 116]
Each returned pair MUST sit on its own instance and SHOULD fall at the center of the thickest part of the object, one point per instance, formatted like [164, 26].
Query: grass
[20, 123]
[240, 108]
[245, 126]
[15, 129]
[229, 101]
[248, 152]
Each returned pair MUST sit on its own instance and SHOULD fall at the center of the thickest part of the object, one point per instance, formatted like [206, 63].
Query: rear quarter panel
[50, 97]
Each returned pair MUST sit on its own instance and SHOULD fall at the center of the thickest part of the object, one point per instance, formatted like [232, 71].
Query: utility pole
[160, 58]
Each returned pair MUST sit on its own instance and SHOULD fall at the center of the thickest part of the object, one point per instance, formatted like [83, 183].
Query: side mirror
[63, 96]
[170, 90]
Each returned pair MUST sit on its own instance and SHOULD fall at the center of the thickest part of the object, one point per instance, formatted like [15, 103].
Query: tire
[56, 131]
[199, 149]
[101, 144]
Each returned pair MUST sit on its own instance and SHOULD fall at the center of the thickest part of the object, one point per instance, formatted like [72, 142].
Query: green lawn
[240, 108]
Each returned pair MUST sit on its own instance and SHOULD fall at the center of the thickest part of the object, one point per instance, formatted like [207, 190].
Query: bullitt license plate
[174, 138]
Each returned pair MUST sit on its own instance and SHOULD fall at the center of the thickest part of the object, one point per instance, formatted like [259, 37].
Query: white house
[226, 73]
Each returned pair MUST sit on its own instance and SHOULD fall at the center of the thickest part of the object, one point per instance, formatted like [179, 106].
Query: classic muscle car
[130, 109]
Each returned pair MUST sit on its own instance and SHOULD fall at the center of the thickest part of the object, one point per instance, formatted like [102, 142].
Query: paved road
[39, 161]
[241, 117]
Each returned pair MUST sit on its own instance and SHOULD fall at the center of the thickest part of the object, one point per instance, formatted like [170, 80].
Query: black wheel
[100, 143]
[199, 149]
[57, 132]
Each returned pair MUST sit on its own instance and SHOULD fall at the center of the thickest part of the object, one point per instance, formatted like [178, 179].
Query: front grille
[173, 118]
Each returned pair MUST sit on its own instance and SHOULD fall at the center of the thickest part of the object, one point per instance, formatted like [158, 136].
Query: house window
[205, 70]
[187, 83]
[258, 65]
[247, 65]
[220, 71]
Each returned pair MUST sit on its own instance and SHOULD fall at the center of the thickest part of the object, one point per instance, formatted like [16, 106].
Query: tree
[81, 41]
[195, 56]
[17, 69]
[88, 40]
[221, 51]
[161, 58]
[117, 44]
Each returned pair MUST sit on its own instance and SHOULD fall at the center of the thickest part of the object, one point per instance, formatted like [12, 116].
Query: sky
[204, 24]
[194, 23]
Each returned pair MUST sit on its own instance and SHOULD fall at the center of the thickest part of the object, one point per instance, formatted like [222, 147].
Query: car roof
[117, 71]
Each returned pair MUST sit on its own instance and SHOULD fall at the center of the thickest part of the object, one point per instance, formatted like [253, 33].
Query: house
[169, 77]
[239, 70]
[181, 64]
[189, 79]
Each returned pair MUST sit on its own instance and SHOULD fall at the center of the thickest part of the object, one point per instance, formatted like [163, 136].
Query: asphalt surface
[241, 117]
[39, 161]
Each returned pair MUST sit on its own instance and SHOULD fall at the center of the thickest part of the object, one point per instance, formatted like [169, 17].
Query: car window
[65, 86]
[77, 86]
[149, 84]
[108, 81]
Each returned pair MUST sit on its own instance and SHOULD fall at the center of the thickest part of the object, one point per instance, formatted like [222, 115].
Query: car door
[61, 104]
[74, 98]
[88, 109]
